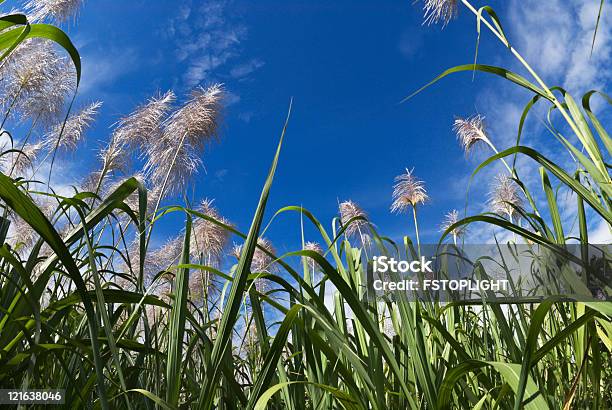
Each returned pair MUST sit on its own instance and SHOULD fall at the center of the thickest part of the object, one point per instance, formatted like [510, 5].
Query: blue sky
[347, 65]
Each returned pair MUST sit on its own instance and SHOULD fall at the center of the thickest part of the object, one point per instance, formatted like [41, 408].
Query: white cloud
[243, 70]
[209, 39]
[601, 234]
[555, 38]
[101, 68]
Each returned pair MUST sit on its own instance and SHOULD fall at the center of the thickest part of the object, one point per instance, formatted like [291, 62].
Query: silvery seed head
[366, 240]
[136, 132]
[349, 210]
[314, 247]
[67, 136]
[26, 70]
[49, 104]
[132, 253]
[35, 81]
[57, 10]
[144, 126]
[236, 251]
[20, 162]
[262, 262]
[175, 156]
[207, 238]
[21, 233]
[199, 284]
[450, 219]
[133, 200]
[440, 11]
[505, 197]
[408, 192]
[114, 157]
[471, 131]
[198, 120]
[167, 255]
[92, 183]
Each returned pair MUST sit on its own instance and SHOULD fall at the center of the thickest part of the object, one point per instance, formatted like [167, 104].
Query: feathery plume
[46, 105]
[21, 161]
[91, 181]
[198, 120]
[136, 131]
[132, 254]
[69, 135]
[505, 198]
[261, 263]
[133, 200]
[35, 82]
[57, 10]
[236, 251]
[314, 247]
[207, 238]
[470, 131]
[144, 125]
[113, 157]
[408, 191]
[366, 240]
[20, 232]
[26, 69]
[450, 219]
[440, 11]
[125, 283]
[199, 284]
[167, 255]
[349, 210]
[174, 158]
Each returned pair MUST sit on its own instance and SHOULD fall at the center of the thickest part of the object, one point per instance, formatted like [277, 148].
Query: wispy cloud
[101, 70]
[243, 70]
[209, 40]
[555, 38]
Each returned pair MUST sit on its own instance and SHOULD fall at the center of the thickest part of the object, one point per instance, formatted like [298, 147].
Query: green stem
[416, 229]
[519, 57]
[163, 187]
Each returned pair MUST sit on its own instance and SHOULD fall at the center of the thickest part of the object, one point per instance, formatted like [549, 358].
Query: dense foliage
[87, 305]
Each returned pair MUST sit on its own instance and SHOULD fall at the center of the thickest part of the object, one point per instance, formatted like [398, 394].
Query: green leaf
[345, 400]
[232, 306]
[501, 72]
[552, 206]
[580, 190]
[176, 333]
[601, 4]
[25, 208]
[510, 373]
[271, 360]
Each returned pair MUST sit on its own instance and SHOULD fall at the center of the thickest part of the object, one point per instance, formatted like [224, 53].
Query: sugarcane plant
[90, 305]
